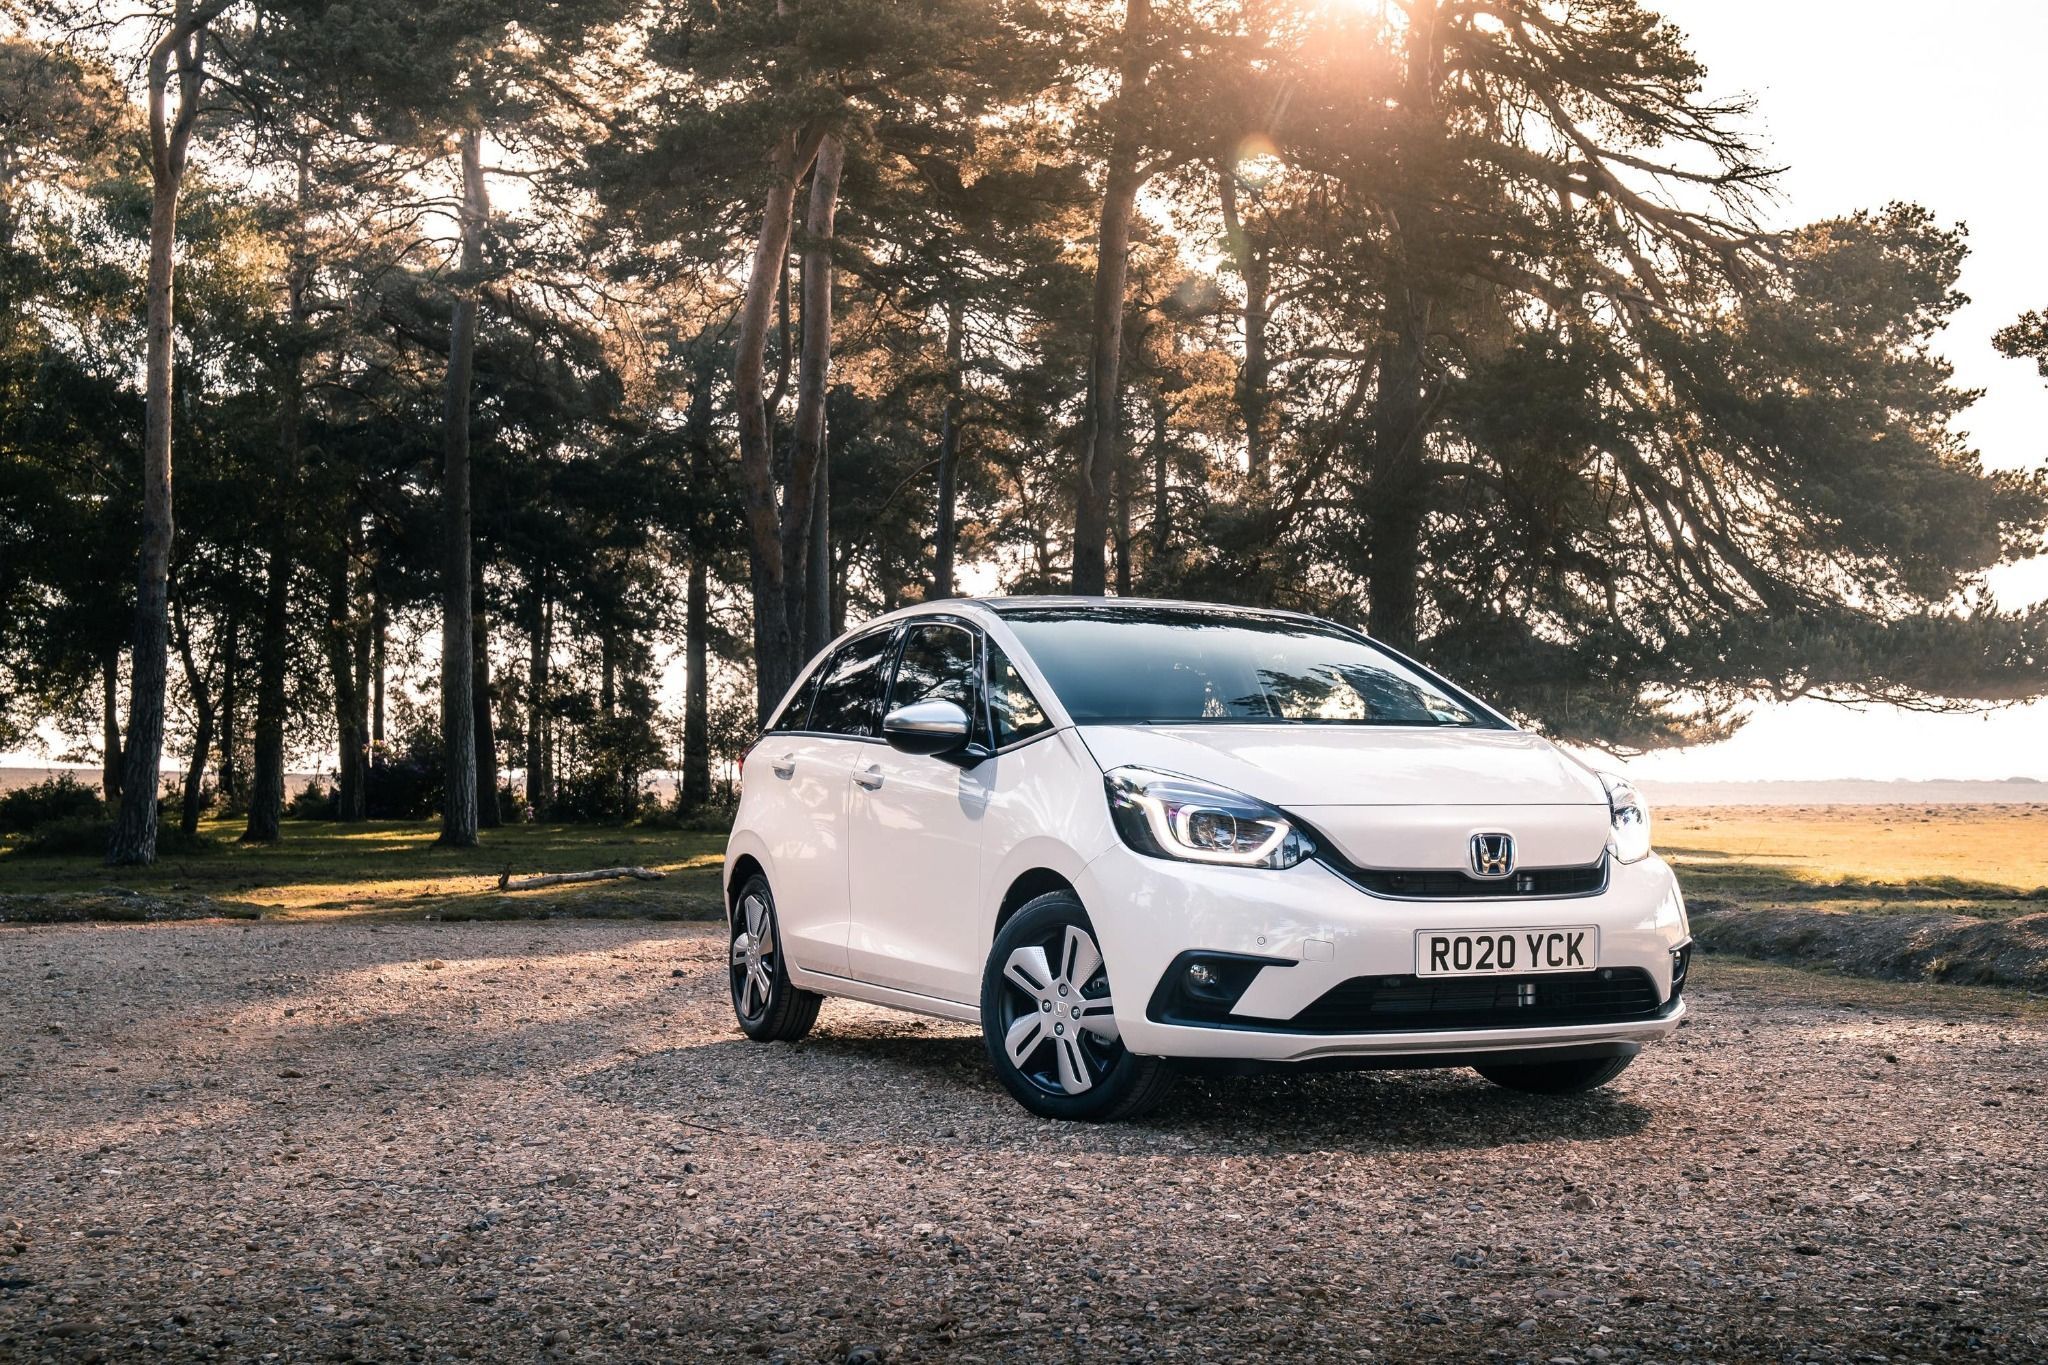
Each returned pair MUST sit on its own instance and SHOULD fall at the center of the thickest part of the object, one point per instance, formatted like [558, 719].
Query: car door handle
[869, 777]
[784, 766]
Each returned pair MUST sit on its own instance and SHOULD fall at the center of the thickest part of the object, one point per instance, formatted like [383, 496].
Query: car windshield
[1167, 665]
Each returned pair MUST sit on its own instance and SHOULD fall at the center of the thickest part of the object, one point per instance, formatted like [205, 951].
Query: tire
[768, 1006]
[1067, 1061]
[1555, 1078]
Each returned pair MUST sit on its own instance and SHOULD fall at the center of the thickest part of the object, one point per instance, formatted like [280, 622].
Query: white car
[1129, 837]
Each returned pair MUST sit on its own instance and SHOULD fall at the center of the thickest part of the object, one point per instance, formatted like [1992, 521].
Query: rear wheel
[1555, 1078]
[1047, 1018]
[769, 1008]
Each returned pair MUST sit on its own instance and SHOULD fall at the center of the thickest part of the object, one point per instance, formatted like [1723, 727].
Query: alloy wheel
[1058, 1026]
[753, 957]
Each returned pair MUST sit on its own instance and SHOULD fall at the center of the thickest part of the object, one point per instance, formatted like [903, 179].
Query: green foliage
[1544, 398]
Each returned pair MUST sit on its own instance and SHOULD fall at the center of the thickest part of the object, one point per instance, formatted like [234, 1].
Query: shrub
[62, 797]
[72, 836]
[314, 802]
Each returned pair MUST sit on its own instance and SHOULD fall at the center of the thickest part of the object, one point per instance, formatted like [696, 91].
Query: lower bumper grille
[1397, 1004]
[1432, 885]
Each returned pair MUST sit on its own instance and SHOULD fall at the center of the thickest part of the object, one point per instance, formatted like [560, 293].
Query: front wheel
[1555, 1078]
[769, 1006]
[1047, 1018]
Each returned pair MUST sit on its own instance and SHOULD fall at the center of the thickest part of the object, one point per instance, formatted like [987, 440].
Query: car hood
[1389, 797]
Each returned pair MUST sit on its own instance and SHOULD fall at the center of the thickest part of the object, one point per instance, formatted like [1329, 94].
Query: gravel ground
[541, 1141]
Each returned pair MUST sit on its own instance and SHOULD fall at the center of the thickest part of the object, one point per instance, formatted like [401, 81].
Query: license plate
[1506, 952]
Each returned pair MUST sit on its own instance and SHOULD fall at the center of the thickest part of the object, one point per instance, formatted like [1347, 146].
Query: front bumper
[1320, 932]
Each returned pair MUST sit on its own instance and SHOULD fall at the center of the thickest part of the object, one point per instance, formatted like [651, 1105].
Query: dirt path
[539, 1141]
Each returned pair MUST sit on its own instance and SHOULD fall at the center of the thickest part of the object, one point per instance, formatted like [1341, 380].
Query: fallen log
[506, 882]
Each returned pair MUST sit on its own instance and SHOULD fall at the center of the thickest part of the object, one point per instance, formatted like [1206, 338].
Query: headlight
[1629, 815]
[1169, 816]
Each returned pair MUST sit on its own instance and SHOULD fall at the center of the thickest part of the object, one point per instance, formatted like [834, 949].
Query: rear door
[808, 759]
[916, 823]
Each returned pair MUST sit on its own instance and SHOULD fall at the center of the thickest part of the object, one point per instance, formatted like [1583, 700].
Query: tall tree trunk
[273, 639]
[363, 647]
[380, 624]
[945, 543]
[346, 679]
[1162, 505]
[1123, 528]
[540, 647]
[1404, 408]
[774, 641]
[1121, 183]
[807, 540]
[697, 690]
[458, 652]
[230, 675]
[1254, 376]
[487, 813]
[110, 727]
[182, 43]
[273, 631]
[202, 704]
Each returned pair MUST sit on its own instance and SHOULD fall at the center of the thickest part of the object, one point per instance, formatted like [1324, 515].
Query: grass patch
[384, 869]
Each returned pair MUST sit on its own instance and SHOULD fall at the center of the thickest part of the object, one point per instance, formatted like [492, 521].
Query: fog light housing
[1202, 988]
[1681, 958]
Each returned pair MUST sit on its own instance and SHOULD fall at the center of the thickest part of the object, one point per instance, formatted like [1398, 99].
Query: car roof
[1082, 606]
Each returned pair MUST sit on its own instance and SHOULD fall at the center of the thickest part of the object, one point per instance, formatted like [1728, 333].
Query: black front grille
[1396, 1004]
[1430, 884]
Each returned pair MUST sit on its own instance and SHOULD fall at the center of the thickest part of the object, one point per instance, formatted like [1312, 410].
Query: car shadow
[930, 1085]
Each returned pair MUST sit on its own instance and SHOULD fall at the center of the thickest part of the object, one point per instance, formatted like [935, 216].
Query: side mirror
[938, 728]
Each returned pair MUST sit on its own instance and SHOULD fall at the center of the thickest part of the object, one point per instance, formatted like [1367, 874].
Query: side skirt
[908, 1001]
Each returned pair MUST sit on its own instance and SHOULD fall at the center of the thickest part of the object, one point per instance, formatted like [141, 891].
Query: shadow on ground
[935, 1088]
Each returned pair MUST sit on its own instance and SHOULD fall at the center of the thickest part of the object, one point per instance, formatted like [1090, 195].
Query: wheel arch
[1026, 887]
[744, 866]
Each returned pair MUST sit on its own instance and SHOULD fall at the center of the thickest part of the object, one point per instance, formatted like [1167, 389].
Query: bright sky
[1864, 102]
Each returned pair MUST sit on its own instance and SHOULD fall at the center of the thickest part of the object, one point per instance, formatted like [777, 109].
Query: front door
[915, 827]
[809, 759]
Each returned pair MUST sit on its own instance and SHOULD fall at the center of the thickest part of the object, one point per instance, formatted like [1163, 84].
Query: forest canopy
[515, 359]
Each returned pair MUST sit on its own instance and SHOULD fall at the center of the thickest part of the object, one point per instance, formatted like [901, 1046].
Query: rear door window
[849, 700]
[797, 715]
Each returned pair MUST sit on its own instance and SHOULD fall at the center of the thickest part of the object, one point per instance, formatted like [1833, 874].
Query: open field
[544, 1141]
[387, 869]
[1983, 860]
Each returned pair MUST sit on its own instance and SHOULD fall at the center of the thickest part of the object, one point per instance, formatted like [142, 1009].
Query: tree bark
[487, 813]
[540, 650]
[1254, 376]
[458, 654]
[380, 623]
[1121, 183]
[1123, 528]
[183, 42]
[202, 706]
[1404, 408]
[945, 542]
[807, 537]
[346, 681]
[1162, 505]
[230, 675]
[110, 728]
[774, 642]
[697, 690]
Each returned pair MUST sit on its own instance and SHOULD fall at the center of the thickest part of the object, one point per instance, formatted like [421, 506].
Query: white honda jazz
[1127, 838]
